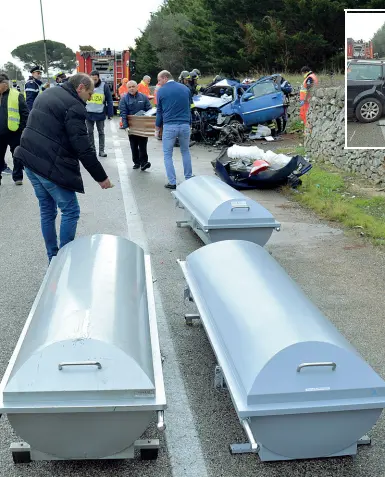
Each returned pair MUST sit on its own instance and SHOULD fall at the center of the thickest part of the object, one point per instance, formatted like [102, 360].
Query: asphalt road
[343, 277]
[365, 135]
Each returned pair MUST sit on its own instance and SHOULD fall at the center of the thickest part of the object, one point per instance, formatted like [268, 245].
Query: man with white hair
[144, 87]
[174, 115]
[130, 104]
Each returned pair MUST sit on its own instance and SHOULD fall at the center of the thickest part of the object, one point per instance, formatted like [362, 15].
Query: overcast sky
[100, 23]
[362, 26]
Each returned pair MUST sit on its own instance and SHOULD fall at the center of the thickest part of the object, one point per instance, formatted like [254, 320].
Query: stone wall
[325, 137]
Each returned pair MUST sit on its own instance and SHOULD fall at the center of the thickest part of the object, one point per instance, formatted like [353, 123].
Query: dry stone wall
[325, 137]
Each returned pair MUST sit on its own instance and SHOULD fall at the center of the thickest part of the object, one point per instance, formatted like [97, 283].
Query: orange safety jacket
[123, 90]
[144, 89]
[304, 93]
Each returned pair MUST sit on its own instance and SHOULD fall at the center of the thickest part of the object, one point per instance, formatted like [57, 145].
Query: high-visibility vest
[303, 93]
[96, 103]
[144, 88]
[13, 110]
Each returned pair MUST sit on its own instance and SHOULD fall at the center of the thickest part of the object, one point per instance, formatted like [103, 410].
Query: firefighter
[310, 81]
[194, 86]
[144, 87]
[184, 78]
[286, 89]
[34, 86]
[13, 119]
[60, 78]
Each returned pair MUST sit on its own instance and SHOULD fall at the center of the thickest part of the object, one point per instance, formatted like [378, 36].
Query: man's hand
[47, 85]
[106, 184]
[157, 132]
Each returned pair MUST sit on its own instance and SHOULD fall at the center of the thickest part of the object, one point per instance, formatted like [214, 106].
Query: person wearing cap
[34, 86]
[13, 119]
[144, 87]
[98, 106]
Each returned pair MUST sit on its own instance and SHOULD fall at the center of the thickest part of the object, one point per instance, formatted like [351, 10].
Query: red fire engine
[359, 49]
[112, 65]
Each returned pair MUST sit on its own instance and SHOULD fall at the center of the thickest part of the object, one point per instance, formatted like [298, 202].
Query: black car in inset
[366, 90]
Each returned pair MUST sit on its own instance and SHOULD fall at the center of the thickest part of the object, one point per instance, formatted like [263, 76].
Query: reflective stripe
[31, 89]
[13, 110]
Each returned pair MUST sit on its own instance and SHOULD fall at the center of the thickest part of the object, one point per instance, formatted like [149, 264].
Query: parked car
[231, 102]
[365, 90]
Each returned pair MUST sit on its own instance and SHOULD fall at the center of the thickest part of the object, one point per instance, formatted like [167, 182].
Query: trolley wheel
[149, 454]
[23, 457]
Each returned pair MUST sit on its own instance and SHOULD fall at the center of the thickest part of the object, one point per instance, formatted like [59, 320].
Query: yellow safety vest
[13, 110]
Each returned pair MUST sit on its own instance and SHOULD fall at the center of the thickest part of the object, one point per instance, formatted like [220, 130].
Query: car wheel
[368, 110]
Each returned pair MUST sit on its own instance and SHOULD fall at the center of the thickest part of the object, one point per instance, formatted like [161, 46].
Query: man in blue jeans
[173, 114]
[54, 141]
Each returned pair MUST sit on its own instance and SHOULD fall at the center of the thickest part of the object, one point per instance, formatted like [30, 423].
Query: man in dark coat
[130, 104]
[53, 143]
[13, 119]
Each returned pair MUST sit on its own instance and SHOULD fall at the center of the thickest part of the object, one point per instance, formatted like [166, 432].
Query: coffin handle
[312, 365]
[161, 424]
[246, 426]
[80, 363]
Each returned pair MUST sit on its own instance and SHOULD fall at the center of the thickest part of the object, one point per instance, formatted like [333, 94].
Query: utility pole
[45, 45]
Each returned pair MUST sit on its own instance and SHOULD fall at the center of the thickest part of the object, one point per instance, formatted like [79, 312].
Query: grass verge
[328, 192]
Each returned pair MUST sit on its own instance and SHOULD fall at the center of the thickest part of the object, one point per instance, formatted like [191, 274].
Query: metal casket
[86, 377]
[303, 389]
[216, 211]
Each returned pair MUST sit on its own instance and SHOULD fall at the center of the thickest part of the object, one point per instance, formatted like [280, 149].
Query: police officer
[34, 86]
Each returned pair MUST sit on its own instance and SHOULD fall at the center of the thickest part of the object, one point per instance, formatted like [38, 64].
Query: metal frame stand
[247, 448]
[22, 452]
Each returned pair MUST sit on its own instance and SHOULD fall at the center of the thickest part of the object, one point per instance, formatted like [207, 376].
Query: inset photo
[365, 79]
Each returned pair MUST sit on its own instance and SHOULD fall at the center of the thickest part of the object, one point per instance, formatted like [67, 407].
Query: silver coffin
[85, 378]
[298, 386]
[216, 211]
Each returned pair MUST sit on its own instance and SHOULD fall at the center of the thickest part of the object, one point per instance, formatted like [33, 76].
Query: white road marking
[183, 444]
[352, 136]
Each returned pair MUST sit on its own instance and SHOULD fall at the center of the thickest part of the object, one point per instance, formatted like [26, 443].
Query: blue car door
[265, 104]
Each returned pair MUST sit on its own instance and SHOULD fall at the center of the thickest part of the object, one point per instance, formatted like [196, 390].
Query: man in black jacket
[53, 143]
[13, 119]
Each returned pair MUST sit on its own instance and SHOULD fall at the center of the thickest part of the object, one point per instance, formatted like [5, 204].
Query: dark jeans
[11, 139]
[50, 197]
[139, 149]
[102, 137]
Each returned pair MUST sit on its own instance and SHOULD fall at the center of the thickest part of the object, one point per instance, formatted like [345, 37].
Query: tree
[60, 57]
[86, 48]
[12, 70]
[146, 60]
[163, 36]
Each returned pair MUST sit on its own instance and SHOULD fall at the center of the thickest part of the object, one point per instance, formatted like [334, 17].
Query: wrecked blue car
[240, 105]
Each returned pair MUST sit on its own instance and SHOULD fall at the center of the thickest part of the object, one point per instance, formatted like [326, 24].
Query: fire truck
[360, 49]
[112, 66]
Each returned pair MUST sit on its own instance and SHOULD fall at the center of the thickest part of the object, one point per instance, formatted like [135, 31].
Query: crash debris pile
[248, 167]
[325, 137]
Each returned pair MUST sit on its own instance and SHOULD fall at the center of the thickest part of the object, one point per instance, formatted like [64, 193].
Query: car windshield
[219, 91]
[364, 72]
[260, 89]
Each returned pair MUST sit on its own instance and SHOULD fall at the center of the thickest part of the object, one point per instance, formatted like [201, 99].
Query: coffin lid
[215, 204]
